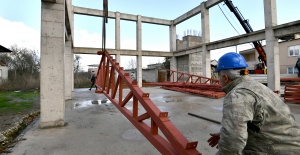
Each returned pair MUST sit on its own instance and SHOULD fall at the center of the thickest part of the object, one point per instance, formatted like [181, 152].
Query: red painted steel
[289, 79]
[185, 77]
[174, 142]
[195, 84]
[292, 93]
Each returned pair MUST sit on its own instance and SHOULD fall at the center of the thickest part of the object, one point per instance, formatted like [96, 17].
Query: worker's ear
[226, 79]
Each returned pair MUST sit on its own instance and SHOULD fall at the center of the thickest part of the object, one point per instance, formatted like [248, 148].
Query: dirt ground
[13, 123]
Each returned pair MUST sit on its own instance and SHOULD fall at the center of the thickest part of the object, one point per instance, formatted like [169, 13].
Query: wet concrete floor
[95, 126]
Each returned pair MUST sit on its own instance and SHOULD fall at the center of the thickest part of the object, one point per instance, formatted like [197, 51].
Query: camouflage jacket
[256, 121]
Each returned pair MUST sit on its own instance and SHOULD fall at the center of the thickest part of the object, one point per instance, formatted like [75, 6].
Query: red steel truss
[292, 93]
[185, 77]
[194, 84]
[110, 80]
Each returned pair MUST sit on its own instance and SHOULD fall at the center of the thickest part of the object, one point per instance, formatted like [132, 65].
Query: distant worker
[93, 80]
[255, 120]
[298, 66]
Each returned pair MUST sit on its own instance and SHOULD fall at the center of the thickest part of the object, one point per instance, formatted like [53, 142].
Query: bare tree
[76, 62]
[22, 61]
[24, 68]
[131, 64]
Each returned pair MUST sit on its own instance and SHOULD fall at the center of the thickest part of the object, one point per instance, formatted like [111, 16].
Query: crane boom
[245, 24]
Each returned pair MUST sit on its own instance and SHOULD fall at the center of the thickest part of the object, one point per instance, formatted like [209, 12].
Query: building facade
[3, 65]
[289, 51]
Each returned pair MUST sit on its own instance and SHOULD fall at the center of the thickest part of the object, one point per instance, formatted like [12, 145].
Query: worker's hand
[214, 139]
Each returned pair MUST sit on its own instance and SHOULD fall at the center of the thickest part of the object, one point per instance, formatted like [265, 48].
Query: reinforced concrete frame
[57, 49]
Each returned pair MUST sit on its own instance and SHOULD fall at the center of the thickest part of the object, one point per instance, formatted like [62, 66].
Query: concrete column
[173, 66]
[139, 49]
[72, 71]
[173, 61]
[117, 31]
[205, 39]
[118, 57]
[172, 38]
[272, 49]
[68, 70]
[71, 20]
[52, 64]
[117, 41]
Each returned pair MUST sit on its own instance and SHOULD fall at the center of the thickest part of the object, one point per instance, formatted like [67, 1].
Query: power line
[231, 23]
[228, 13]
[228, 19]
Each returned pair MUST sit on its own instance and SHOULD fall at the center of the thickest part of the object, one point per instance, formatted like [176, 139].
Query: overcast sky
[20, 22]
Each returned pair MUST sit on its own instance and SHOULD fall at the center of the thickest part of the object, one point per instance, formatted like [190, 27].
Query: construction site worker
[93, 80]
[255, 120]
[298, 66]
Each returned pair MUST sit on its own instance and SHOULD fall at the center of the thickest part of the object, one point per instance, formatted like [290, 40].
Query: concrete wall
[188, 41]
[195, 64]
[149, 75]
[3, 73]
[191, 63]
[183, 63]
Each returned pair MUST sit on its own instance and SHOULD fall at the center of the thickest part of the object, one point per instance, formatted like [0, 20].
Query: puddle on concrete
[174, 100]
[218, 108]
[90, 103]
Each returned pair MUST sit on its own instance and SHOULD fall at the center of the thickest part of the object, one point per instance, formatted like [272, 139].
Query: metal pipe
[208, 119]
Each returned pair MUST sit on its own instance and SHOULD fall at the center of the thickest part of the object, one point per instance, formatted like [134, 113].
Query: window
[292, 70]
[294, 50]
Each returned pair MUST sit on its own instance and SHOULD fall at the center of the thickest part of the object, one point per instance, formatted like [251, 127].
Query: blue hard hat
[231, 60]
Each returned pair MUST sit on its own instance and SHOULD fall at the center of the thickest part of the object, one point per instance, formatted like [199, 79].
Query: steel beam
[172, 142]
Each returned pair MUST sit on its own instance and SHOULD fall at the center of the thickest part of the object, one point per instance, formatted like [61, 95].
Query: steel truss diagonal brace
[111, 79]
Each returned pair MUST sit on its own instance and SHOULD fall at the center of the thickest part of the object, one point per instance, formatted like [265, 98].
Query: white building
[3, 65]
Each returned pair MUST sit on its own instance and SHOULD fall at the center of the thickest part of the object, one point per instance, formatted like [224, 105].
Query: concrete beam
[51, 1]
[286, 29]
[237, 40]
[157, 21]
[85, 50]
[123, 16]
[188, 51]
[211, 3]
[92, 12]
[279, 31]
[187, 15]
[195, 11]
[67, 19]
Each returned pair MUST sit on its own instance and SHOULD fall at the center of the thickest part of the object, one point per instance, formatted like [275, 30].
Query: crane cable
[228, 20]
[231, 23]
[105, 16]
